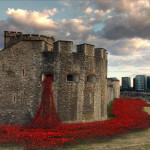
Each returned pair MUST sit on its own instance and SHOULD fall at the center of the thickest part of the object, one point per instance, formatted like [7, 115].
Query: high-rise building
[140, 83]
[126, 83]
[148, 82]
[133, 84]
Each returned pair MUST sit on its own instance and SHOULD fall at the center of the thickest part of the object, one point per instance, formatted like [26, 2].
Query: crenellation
[19, 34]
[63, 46]
[101, 52]
[6, 33]
[14, 37]
[10, 33]
[98, 52]
[26, 37]
[44, 38]
[35, 37]
[86, 49]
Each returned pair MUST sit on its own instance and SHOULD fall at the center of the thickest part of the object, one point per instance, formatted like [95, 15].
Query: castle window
[91, 98]
[49, 75]
[91, 78]
[69, 77]
[23, 72]
[73, 77]
[14, 98]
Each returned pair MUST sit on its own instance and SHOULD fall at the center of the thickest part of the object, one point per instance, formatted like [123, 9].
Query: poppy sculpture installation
[46, 129]
[46, 116]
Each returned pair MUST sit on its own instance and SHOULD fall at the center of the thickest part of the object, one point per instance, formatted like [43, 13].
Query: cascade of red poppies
[46, 116]
[128, 116]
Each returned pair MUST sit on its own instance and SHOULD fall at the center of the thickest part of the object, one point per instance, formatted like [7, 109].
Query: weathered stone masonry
[113, 89]
[80, 78]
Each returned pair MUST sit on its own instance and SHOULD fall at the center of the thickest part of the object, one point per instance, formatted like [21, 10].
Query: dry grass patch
[147, 109]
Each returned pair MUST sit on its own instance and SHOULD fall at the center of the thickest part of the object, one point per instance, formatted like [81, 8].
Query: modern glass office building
[140, 83]
[126, 83]
[148, 82]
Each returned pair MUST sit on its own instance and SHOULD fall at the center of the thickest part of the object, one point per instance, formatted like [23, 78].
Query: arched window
[91, 78]
[73, 77]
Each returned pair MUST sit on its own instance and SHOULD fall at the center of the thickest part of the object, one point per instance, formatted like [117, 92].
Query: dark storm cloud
[126, 19]
[124, 27]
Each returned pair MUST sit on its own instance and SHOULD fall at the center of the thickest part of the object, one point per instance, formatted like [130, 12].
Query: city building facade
[148, 82]
[126, 83]
[140, 83]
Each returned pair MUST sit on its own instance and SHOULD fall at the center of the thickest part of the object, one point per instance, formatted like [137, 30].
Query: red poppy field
[47, 130]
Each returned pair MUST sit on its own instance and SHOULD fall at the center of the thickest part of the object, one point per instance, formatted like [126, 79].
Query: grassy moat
[109, 115]
[147, 109]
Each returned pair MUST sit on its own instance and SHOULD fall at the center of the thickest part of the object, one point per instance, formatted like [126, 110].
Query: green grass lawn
[108, 110]
[147, 109]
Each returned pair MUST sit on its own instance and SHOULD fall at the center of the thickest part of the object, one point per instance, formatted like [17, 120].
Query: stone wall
[18, 81]
[113, 89]
[80, 101]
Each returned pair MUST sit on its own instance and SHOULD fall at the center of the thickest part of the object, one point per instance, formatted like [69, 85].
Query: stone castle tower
[79, 78]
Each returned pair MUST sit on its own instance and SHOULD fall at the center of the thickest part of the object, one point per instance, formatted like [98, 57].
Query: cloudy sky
[122, 27]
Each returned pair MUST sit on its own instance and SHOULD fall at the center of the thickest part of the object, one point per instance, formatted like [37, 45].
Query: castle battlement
[101, 52]
[63, 46]
[11, 33]
[86, 49]
[14, 37]
[60, 46]
[83, 49]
